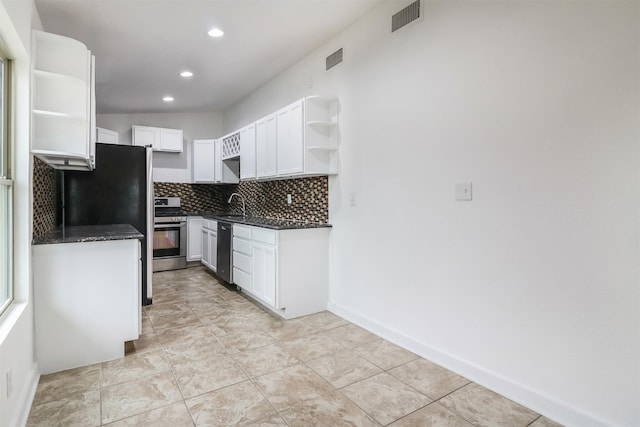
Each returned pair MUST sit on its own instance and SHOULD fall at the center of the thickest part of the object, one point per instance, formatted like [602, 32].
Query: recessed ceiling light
[186, 74]
[168, 99]
[216, 32]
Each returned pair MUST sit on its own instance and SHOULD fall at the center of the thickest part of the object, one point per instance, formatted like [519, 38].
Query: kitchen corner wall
[44, 198]
[532, 288]
[310, 198]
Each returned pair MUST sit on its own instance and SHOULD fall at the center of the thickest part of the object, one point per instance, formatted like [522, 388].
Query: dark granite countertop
[89, 233]
[272, 223]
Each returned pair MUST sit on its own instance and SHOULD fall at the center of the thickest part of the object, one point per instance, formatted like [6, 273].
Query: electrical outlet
[352, 199]
[9, 377]
[463, 191]
[289, 199]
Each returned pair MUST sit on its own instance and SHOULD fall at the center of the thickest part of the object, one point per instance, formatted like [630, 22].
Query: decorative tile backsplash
[44, 198]
[309, 197]
[193, 197]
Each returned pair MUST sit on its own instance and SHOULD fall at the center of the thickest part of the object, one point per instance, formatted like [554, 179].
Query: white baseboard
[22, 415]
[536, 401]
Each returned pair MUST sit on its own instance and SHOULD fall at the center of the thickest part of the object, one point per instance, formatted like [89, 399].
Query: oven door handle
[173, 225]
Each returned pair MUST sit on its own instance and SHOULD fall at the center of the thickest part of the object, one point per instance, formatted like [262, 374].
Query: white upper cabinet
[248, 152]
[171, 140]
[160, 139]
[204, 170]
[218, 160]
[321, 136]
[144, 135]
[266, 148]
[106, 136]
[300, 139]
[290, 139]
[224, 171]
[63, 103]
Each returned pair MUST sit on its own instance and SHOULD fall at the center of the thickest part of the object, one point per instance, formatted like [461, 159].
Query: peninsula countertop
[272, 223]
[89, 233]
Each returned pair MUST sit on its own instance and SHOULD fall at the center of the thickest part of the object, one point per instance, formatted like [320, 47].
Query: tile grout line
[185, 295]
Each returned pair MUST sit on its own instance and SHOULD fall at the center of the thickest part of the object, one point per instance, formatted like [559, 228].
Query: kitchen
[535, 105]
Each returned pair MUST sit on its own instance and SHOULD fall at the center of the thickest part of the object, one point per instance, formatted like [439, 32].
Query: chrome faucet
[244, 212]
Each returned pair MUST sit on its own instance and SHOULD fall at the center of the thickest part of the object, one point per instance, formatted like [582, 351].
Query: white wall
[16, 324]
[167, 167]
[532, 288]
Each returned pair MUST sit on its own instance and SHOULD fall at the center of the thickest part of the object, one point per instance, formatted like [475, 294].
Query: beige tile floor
[210, 357]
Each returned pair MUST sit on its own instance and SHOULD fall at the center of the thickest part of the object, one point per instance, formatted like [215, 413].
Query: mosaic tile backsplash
[193, 197]
[310, 198]
[44, 198]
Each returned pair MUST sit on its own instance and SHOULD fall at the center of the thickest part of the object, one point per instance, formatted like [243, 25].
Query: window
[6, 185]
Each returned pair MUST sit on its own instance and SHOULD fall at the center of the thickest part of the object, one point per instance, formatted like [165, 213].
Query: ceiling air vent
[334, 59]
[405, 16]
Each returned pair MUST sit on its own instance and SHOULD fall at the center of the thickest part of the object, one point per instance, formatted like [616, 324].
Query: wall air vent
[405, 16]
[334, 59]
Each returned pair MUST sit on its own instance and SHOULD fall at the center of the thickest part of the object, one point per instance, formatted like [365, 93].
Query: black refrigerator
[118, 191]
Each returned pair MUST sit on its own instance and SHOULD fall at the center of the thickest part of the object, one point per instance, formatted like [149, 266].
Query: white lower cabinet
[194, 238]
[286, 270]
[242, 255]
[264, 273]
[209, 242]
[204, 241]
[88, 297]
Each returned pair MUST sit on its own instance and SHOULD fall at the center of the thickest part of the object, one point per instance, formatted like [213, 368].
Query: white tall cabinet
[63, 103]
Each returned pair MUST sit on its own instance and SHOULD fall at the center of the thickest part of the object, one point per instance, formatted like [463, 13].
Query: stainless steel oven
[169, 235]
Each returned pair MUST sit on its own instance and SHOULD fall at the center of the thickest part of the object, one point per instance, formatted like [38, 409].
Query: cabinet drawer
[241, 279]
[242, 246]
[241, 231]
[242, 261]
[264, 236]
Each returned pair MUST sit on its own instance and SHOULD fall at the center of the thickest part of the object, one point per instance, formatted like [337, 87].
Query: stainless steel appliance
[225, 251]
[118, 191]
[169, 235]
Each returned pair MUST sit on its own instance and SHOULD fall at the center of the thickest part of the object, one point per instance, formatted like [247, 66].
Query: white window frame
[6, 170]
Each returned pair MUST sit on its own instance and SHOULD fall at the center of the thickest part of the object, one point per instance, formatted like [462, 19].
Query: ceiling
[141, 46]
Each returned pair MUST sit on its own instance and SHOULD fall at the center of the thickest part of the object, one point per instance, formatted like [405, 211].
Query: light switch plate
[463, 191]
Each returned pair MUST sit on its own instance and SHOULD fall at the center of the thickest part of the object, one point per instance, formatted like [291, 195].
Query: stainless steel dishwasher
[225, 251]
